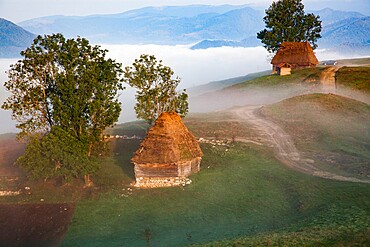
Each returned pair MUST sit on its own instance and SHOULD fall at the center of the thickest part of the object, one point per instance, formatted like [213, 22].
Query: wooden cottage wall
[156, 170]
[285, 71]
[185, 169]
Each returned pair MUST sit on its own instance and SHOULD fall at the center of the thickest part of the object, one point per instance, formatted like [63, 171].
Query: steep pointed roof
[296, 54]
[168, 141]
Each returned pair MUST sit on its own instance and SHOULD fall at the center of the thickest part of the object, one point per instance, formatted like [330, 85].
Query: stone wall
[165, 175]
[161, 182]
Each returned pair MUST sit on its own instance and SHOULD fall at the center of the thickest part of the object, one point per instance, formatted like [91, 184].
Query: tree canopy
[63, 89]
[155, 88]
[286, 21]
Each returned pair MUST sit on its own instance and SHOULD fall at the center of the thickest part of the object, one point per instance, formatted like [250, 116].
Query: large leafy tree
[155, 88]
[57, 154]
[63, 88]
[286, 21]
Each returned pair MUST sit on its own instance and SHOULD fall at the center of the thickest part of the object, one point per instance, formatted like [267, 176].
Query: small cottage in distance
[168, 154]
[293, 55]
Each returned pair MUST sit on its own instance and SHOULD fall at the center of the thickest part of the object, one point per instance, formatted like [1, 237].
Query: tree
[155, 88]
[286, 21]
[65, 85]
[56, 154]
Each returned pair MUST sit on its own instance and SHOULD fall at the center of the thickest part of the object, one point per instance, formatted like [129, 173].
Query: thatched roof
[167, 142]
[295, 53]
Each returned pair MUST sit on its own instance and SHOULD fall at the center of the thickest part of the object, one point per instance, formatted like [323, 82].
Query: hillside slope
[330, 130]
[352, 80]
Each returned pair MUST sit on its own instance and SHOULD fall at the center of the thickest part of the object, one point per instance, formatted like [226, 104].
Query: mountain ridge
[13, 38]
[205, 26]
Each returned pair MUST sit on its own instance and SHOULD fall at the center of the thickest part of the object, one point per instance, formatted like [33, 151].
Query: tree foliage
[65, 84]
[286, 21]
[57, 154]
[155, 88]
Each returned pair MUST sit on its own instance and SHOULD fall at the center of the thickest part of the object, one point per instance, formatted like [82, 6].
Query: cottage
[296, 54]
[167, 155]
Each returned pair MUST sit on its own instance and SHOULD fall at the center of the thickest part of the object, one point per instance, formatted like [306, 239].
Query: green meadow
[242, 196]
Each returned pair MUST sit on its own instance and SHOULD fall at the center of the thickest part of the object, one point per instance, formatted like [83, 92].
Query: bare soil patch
[34, 224]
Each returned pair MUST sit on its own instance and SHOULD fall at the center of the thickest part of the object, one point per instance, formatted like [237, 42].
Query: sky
[20, 10]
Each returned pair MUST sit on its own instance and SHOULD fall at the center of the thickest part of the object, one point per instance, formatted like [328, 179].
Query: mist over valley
[194, 67]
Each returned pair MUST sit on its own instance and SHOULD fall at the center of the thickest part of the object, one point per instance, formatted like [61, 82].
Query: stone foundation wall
[161, 182]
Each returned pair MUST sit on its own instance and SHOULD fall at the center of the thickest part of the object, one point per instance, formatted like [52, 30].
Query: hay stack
[169, 153]
[297, 54]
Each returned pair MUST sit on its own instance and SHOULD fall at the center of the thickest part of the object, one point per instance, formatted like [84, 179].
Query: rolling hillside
[333, 131]
[352, 81]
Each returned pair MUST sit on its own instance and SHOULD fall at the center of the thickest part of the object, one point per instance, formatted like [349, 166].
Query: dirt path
[327, 79]
[283, 145]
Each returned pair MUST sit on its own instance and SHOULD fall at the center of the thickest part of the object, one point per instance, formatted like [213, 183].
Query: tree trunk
[88, 182]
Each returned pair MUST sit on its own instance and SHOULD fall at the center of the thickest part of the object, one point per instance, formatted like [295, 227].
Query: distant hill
[329, 16]
[252, 41]
[217, 85]
[13, 39]
[349, 35]
[344, 31]
[165, 25]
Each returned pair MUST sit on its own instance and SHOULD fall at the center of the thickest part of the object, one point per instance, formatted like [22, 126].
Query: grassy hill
[243, 194]
[332, 130]
[355, 77]
[352, 80]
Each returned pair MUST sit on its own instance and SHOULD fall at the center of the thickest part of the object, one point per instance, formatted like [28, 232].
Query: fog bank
[194, 67]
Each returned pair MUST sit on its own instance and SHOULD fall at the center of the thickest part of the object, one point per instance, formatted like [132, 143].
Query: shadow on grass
[123, 152]
[10, 150]
[34, 224]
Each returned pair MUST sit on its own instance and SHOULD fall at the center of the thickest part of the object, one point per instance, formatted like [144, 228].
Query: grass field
[309, 76]
[353, 74]
[244, 192]
[357, 78]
